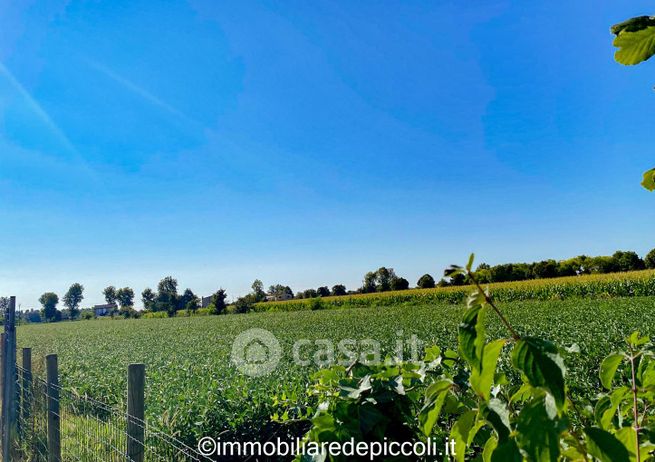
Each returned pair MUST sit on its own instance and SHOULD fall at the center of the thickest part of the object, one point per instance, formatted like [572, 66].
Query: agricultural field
[194, 390]
[625, 284]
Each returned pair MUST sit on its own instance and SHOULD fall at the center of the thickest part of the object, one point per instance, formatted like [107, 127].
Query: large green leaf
[635, 46]
[506, 452]
[471, 336]
[483, 379]
[605, 447]
[542, 364]
[649, 180]
[460, 434]
[435, 396]
[496, 414]
[628, 437]
[633, 24]
[538, 432]
[608, 369]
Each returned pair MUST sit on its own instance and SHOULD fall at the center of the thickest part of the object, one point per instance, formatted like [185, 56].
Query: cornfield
[629, 284]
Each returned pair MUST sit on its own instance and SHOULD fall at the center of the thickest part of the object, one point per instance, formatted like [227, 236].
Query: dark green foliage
[310, 293]
[110, 294]
[425, 282]
[49, 301]
[148, 299]
[323, 291]
[545, 269]
[399, 284]
[531, 420]
[73, 298]
[628, 261]
[258, 290]
[125, 298]
[218, 305]
[244, 304]
[338, 290]
[649, 261]
[382, 280]
[316, 304]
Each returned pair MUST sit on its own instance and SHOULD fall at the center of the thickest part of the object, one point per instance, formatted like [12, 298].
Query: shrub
[464, 397]
[399, 284]
[425, 282]
[316, 304]
[244, 304]
[650, 259]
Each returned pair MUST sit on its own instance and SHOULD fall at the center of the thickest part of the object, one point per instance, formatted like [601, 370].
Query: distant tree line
[620, 261]
[167, 299]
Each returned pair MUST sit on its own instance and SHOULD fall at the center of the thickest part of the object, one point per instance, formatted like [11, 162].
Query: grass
[193, 389]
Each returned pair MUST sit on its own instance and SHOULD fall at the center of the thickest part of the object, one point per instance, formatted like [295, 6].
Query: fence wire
[90, 430]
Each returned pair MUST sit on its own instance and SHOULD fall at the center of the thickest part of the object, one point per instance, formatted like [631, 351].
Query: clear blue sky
[308, 142]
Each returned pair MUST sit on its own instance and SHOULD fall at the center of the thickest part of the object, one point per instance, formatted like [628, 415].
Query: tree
[278, 292]
[384, 277]
[628, 261]
[635, 40]
[167, 298]
[368, 285]
[339, 290]
[187, 297]
[258, 290]
[148, 298]
[323, 291]
[244, 304]
[110, 295]
[650, 260]
[218, 302]
[378, 281]
[425, 282]
[73, 298]
[49, 302]
[399, 284]
[545, 269]
[125, 297]
[191, 301]
[310, 293]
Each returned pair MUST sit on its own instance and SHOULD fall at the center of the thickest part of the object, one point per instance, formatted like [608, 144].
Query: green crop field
[626, 284]
[193, 389]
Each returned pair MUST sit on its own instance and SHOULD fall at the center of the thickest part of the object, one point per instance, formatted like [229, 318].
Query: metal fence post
[9, 383]
[54, 435]
[26, 399]
[136, 379]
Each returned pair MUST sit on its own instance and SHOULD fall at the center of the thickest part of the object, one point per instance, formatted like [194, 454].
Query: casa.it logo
[256, 352]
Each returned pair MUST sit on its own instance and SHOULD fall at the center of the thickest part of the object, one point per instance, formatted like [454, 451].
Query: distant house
[104, 310]
[205, 301]
[279, 297]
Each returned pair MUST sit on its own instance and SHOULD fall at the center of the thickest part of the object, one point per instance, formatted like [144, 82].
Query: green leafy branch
[635, 40]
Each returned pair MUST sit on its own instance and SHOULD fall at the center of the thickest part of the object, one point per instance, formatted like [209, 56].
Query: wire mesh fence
[89, 430]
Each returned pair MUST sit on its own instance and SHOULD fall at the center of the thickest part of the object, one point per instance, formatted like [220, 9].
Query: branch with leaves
[635, 40]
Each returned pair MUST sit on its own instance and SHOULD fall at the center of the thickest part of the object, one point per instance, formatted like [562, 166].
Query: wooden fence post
[2, 381]
[26, 399]
[54, 435]
[136, 379]
[9, 381]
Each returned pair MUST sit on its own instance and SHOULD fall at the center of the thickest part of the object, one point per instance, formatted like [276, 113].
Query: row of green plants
[635, 283]
[523, 411]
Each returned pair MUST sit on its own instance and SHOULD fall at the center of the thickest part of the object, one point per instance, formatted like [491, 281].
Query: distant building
[104, 310]
[205, 301]
[279, 297]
